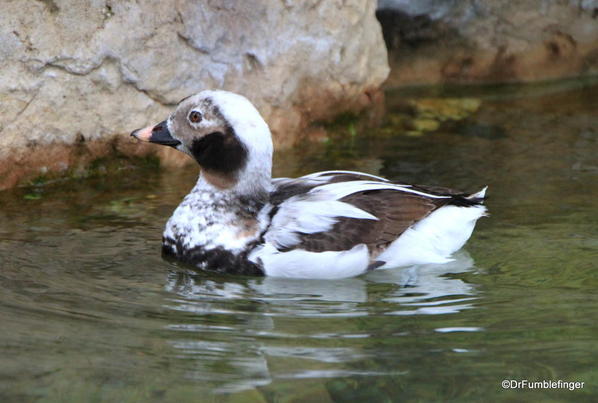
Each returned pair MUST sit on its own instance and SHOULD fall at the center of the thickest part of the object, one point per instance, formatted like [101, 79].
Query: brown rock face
[74, 74]
[449, 41]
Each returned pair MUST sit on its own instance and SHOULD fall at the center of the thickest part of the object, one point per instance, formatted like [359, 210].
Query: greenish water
[90, 312]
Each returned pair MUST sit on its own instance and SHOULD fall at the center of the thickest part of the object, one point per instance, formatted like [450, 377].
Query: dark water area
[90, 312]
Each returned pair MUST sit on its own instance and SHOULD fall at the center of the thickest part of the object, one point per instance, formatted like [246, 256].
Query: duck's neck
[254, 181]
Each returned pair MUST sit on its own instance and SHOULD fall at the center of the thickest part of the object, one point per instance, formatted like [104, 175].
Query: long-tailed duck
[332, 224]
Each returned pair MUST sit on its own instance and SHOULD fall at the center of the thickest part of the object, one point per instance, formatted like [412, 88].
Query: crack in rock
[122, 69]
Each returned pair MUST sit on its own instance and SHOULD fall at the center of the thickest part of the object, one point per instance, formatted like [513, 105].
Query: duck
[334, 224]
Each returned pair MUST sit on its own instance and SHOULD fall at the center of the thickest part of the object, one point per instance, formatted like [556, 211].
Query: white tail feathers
[478, 195]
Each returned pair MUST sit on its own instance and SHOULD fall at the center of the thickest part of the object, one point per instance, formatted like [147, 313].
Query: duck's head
[225, 134]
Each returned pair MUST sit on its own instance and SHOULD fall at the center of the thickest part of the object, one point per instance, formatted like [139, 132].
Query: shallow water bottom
[90, 311]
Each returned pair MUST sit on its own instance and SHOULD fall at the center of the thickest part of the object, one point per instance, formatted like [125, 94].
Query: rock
[425, 125]
[471, 41]
[77, 76]
[443, 109]
[421, 115]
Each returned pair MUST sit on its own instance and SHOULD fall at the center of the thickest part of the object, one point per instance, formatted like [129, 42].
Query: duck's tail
[478, 197]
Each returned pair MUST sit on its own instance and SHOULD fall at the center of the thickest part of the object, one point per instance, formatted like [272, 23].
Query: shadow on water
[90, 312]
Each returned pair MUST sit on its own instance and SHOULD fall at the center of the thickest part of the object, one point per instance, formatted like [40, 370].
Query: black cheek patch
[219, 152]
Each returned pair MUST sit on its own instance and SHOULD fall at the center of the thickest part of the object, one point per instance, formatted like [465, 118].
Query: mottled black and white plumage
[333, 224]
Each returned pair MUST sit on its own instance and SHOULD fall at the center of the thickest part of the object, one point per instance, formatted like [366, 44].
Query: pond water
[90, 312]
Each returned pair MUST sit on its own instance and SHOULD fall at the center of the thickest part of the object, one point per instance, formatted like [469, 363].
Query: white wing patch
[341, 189]
[323, 177]
[331, 174]
[296, 216]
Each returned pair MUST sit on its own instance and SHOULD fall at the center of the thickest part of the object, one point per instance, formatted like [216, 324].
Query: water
[90, 312]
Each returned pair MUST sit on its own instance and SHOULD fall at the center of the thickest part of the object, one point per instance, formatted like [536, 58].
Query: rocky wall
[76, 76]
[483, 41]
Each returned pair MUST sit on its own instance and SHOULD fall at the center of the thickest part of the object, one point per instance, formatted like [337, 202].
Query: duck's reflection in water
[231, 327]
[429, 289]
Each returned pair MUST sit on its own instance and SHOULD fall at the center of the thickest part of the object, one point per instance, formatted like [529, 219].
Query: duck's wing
[343, 214]
[346, 210]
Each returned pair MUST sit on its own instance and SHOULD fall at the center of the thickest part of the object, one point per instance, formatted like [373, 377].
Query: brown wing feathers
[396, 211]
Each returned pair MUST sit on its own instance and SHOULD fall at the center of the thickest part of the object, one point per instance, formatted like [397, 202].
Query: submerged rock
[418, 116]
[470, 41]
[443, 109]
[74, 75]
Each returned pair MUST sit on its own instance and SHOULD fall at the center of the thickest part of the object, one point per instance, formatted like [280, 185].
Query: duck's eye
[195, 117]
